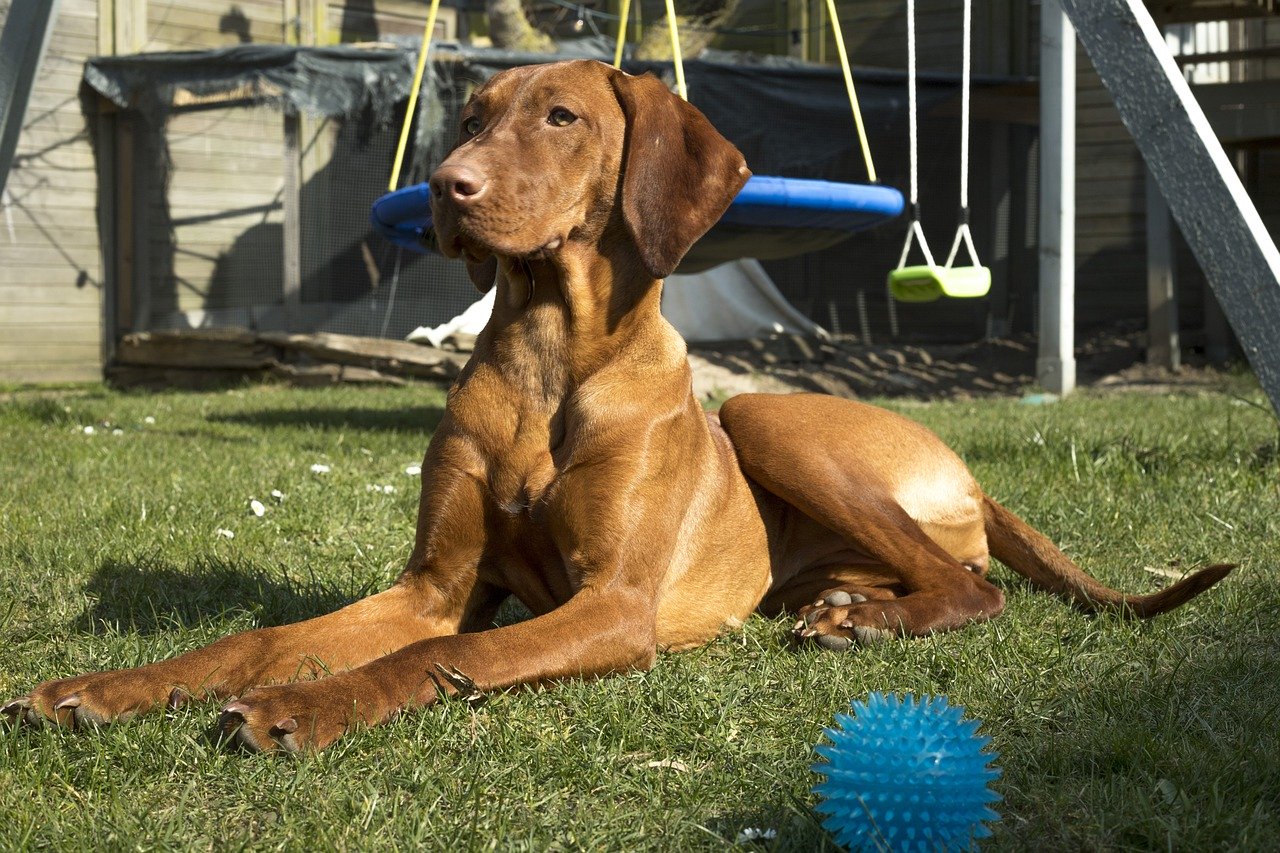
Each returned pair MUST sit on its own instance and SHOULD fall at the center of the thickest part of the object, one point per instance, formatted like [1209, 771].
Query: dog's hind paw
[830, 622]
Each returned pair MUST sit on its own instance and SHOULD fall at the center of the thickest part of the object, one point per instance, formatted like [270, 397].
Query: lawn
[1113, 735]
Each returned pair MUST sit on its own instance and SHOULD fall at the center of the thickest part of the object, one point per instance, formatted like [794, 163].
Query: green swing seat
[929, 282]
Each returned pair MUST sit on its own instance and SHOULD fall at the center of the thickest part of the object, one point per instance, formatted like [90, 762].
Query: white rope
[916, 231]
[964, 107]
[963, 232]
[911, 94]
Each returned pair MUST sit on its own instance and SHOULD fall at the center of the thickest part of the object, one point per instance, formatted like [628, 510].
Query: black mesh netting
[209, 129]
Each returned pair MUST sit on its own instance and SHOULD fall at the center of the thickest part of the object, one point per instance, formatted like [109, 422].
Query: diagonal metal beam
[1203, 191]
[22, 45]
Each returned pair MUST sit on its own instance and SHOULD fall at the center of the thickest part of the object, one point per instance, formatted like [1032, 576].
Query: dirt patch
[1109, 359]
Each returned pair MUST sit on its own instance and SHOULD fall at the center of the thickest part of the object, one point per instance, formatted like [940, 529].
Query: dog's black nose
[459, 184]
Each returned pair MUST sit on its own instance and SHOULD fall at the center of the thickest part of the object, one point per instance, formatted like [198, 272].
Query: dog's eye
[471, 126]
[561, 117]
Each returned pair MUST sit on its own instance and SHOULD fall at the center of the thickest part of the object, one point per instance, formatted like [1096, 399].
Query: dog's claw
[462, 683]
[70, 701]
[840, 598]
[231, 717]
[177, 698]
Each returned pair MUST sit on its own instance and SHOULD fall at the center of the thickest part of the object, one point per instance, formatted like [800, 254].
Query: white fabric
[469, 323]
[733, 301]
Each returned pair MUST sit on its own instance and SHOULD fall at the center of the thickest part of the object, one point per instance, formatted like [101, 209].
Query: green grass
[1112, 735]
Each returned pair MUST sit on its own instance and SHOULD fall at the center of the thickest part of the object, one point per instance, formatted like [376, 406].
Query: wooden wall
[50, 270]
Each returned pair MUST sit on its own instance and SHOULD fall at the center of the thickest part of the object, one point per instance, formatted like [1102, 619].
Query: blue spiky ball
[906, 774]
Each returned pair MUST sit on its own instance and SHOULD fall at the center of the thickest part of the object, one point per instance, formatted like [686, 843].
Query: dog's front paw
[300, 717]
[88, 700]
[835, 622]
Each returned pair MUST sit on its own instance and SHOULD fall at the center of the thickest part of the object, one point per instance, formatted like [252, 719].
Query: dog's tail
[1030, 553]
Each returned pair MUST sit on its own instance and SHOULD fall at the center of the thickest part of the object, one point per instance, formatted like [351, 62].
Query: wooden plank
[241, 350]
[397, 357]
[48, 225]
[23, 333]
[77, 370]
[223, 349]
[44, 193]
[49, 316]
[52, 125]
[249, 148]
[77, 257]
[48, 351]
[52, 285]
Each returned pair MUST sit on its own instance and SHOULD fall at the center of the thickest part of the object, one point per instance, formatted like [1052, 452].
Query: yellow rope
[622, 34]
[675, 50]
[848, 84]
[413, 93]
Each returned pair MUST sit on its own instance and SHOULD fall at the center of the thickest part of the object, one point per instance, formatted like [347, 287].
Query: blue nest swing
[404, 216]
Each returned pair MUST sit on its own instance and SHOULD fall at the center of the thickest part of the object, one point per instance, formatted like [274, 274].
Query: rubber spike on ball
[905, 775]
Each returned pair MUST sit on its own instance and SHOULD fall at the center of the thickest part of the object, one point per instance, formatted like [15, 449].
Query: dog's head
[554, 154]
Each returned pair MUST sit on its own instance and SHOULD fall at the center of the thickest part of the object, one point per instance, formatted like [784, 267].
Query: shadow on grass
[152, 597]
[416, 419]
[1165, 751]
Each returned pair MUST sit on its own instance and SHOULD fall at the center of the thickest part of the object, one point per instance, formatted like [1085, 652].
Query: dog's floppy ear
[483, 273]
[679, 174]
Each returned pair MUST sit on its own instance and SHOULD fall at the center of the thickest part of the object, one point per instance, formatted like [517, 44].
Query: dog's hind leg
[851, 468]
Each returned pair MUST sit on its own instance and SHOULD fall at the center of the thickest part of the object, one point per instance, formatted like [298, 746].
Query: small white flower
[148, 420]
[88, 430]
[319, 468]
[117, 431]
[277, 495]
[752, 833]
[388, 489]
[256, 507]
[224, 533]
[413, 470]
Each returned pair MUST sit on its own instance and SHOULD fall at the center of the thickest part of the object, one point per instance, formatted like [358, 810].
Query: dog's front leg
[423, 603]
[595, 633]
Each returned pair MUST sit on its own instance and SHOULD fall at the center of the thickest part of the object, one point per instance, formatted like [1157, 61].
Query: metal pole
[1056, 362]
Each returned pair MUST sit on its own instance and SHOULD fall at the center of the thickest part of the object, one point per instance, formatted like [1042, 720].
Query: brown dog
[575, 470]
